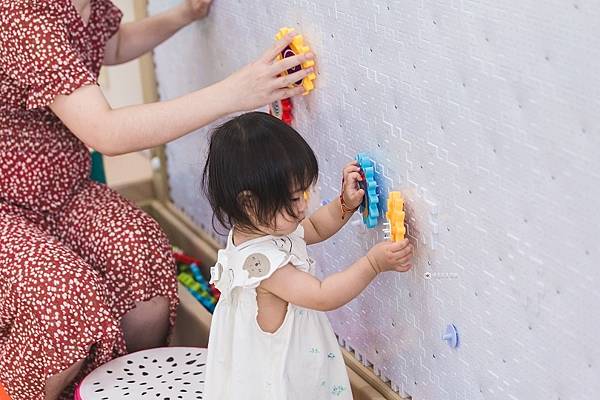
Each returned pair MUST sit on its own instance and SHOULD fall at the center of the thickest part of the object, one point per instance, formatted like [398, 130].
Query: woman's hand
[259, 83]
[353, 195]
[194, 10]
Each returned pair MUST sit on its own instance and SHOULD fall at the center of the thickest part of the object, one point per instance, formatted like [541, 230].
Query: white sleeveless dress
[300, 361]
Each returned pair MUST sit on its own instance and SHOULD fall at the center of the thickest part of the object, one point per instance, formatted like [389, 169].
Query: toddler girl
[270, 337]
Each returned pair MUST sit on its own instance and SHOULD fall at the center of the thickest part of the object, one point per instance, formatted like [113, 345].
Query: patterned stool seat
[168, 373]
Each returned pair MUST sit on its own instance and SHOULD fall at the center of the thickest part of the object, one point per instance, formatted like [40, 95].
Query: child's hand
[391, 256]
[353, 195]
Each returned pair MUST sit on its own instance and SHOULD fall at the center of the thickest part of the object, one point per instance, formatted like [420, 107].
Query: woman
[84, 275]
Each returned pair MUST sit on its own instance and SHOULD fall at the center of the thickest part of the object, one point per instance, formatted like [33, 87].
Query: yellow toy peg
[395, 216]
[296, 47]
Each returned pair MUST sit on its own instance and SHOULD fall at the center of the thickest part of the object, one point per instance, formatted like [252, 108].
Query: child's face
[285, 223]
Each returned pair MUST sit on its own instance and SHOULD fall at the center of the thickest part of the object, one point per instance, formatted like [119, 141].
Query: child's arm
[329, 219]
[304, 290]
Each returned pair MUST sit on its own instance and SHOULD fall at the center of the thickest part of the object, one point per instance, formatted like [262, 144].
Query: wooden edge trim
[367, 374]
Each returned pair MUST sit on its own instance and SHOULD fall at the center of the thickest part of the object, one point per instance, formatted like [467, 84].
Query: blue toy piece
[199, 277]
[451, 335]
[370, 206]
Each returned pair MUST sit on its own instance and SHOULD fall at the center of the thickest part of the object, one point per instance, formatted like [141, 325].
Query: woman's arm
[137, 38]
[112, 132]
[329, 219]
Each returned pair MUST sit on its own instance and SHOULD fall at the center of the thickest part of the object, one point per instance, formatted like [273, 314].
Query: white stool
[168, 373]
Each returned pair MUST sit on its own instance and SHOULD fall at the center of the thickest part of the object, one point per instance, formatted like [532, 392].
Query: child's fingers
[352, 179]
[357, 195]
[403, 268]
[351, 167]
[404, 259]
[397, 246]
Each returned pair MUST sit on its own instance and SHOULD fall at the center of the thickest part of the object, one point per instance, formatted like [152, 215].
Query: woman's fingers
[292, 78]
[277, 48]
[290, 62]
[287, 93]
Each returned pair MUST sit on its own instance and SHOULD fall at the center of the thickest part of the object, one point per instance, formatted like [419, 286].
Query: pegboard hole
[504, 361]
[433, 355]
[434, 22]
[476, 294]
[470, 191]
[557, 291]
[332, 36]
[576, 6]
[388, 8]
[370, 50]
[396, 106]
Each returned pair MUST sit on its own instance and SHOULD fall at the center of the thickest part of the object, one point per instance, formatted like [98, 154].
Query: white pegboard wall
[485, 115]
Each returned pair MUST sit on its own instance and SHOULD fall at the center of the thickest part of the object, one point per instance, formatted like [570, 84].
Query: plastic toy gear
[297, 47]
[282, 109]
[370, 206]
[395, 228]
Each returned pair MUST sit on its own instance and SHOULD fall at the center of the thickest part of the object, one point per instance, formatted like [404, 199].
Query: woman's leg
[129, 250]
[59, 382]
[147, 325]
[52, 309]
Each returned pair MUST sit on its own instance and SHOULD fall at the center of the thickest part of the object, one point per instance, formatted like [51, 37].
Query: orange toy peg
[395, 217]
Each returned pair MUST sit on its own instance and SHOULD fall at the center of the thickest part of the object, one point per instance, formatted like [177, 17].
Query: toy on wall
[282, 109]
[395, 229]
[370, 205]
[296, 47]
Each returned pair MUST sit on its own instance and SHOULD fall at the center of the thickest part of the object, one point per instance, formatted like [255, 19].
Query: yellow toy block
[395, 216]
[296, 47]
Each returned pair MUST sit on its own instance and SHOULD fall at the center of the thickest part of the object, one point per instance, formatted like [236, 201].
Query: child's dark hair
[255, 163]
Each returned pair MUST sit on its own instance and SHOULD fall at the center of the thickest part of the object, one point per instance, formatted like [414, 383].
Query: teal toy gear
[370, 205]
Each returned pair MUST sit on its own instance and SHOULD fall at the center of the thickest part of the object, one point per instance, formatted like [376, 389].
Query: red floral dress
[74, 255]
